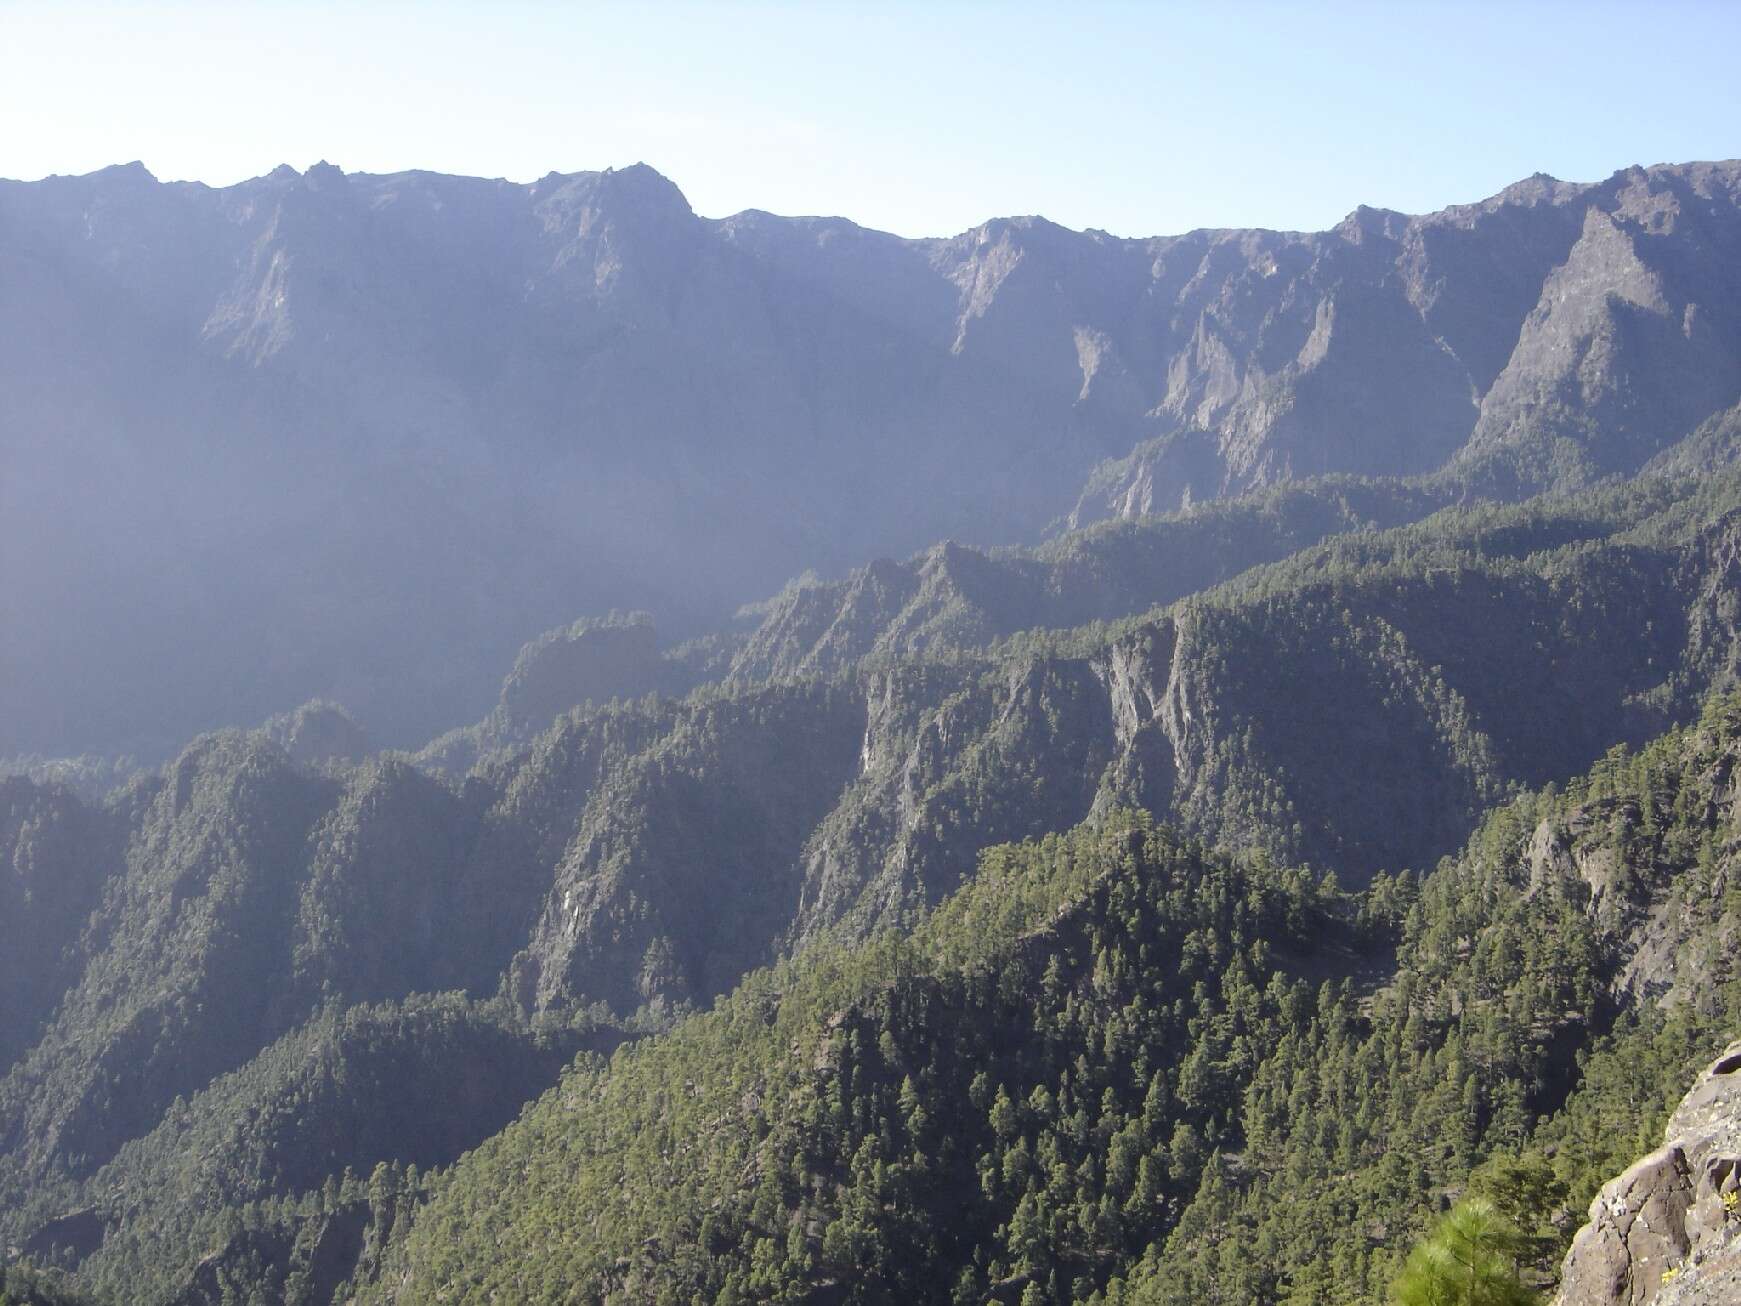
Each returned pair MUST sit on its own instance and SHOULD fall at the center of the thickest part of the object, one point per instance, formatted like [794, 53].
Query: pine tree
[1470, 1259]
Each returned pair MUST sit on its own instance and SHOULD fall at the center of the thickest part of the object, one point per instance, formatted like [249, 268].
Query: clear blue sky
[917, 118]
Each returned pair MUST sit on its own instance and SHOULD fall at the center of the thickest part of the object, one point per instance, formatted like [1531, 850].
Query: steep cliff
[1115, 1068]
[368, 434]
[1669, 1230]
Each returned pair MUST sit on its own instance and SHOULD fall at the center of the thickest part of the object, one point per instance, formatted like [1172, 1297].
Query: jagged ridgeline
[501, 405]
[1117, 1067]
[226, 957]
[947, 601]
[1356, 707]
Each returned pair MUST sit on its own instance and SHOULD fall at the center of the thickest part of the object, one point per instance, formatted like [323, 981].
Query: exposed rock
[1668, 1230]
[1671, 933]
[675, 908]
[363, 434]
[1637, 1231]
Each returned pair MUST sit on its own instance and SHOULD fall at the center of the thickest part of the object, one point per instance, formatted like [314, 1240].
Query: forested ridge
[1117, 1066]
[957, 931]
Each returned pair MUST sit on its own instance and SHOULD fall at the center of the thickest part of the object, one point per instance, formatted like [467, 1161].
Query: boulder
[1668, 1230]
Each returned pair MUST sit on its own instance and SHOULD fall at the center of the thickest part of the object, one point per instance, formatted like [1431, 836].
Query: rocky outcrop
[683, 870]
[1624, 353]
[1669, 934]
[952, 598]
[1668, 1230]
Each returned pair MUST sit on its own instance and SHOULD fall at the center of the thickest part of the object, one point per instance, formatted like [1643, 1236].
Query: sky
[923, 119]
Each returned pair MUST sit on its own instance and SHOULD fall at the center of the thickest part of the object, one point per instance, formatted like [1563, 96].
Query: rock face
[1668, 1231]
[367, 434]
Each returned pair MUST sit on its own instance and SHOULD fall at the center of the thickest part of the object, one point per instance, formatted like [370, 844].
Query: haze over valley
[554, 748]
[364, 436]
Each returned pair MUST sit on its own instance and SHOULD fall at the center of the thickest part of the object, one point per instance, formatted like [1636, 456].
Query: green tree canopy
[1469, 1259]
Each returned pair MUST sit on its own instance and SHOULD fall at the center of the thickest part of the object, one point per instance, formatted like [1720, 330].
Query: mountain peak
[644, 186]
[135, 171]
[1368, 221]
[638, 194]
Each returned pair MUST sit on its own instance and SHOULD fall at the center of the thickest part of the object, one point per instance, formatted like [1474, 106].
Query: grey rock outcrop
[1668, 1230]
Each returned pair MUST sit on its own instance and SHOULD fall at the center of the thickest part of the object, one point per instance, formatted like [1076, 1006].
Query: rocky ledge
[1668, 1230]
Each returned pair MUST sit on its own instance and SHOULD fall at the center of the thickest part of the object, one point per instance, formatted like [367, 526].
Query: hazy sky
[918, 118]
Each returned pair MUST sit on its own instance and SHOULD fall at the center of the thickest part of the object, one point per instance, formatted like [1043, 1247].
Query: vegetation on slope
[1012, 1094]
[277, 1147]
[1356, 707]
[1119, 1064]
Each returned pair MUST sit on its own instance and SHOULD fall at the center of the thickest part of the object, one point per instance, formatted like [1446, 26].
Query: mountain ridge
[1246, 731]
[1355, 703]
[368, 434]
